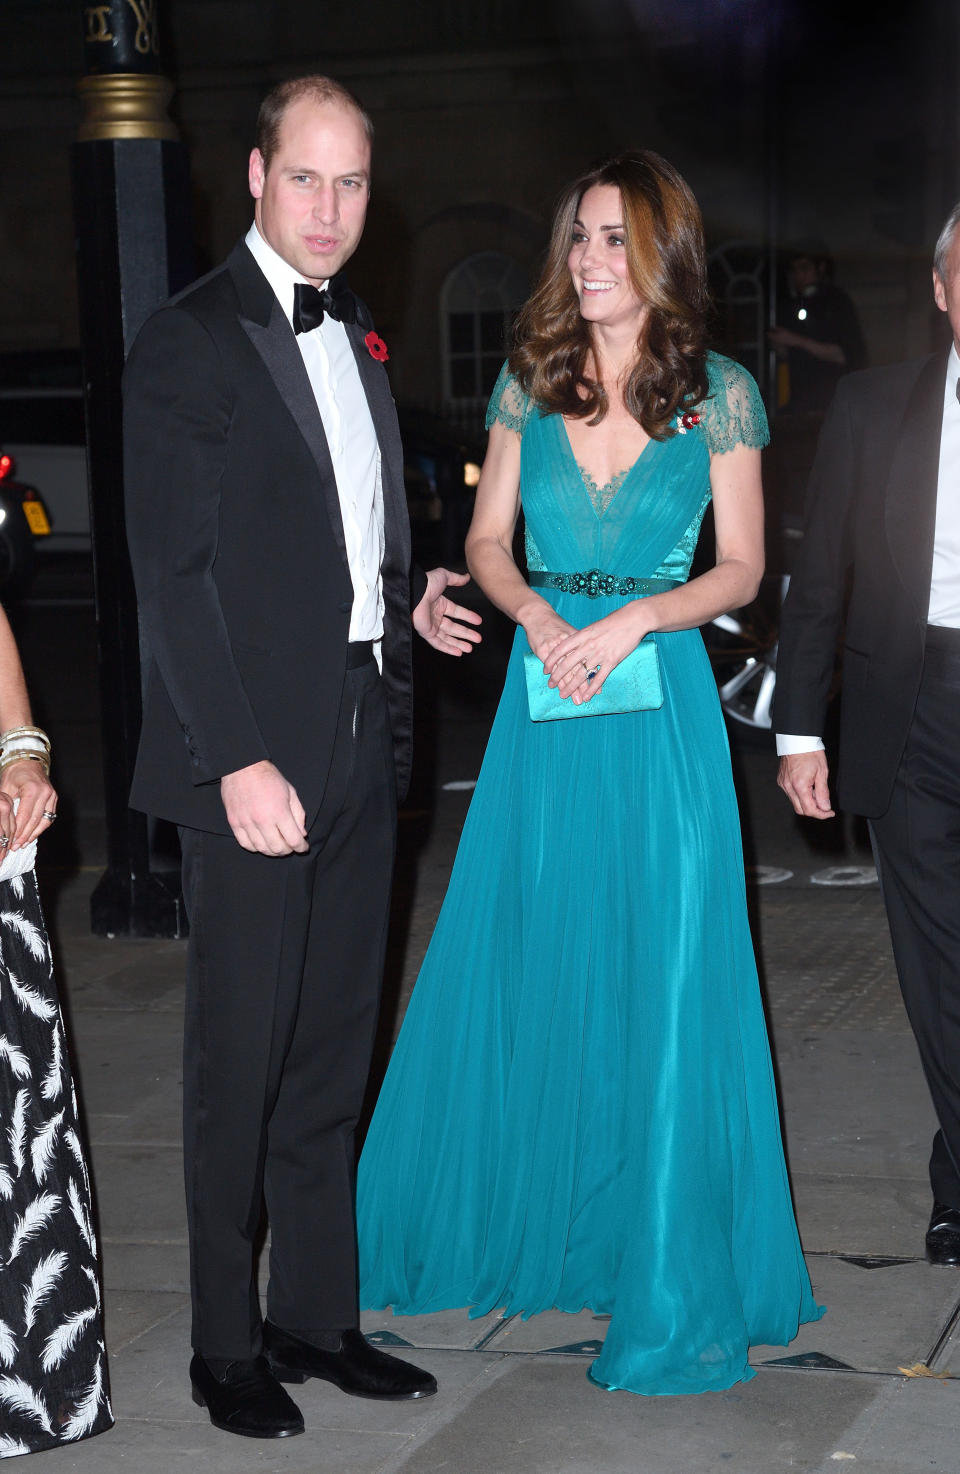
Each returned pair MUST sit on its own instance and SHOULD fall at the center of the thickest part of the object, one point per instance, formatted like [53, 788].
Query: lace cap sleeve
[508, 404]
[734, 413]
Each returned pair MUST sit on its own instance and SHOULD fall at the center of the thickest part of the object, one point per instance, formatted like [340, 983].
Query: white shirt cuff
[788, 743]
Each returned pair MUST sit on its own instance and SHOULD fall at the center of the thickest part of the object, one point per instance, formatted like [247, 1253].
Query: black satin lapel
[383, 411]
[277, 346]
[253, 290]
[911, 500]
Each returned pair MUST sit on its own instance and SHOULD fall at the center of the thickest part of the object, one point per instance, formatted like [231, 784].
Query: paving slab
[130, 1081]
[139, 1191]
[880, 1316]
[831, 1082]
[910, 1428]
[542, 1415]
[132, 1313]
[946, 1356]
[845, 1214]
[158, 1266]
[838, 968]
[451, 1329]
[127, 972]
[556, 1332]
[151, 1447]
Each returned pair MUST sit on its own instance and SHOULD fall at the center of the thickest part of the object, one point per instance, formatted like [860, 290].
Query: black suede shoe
[943, 1235]
[247, 1399]
[357, 1368]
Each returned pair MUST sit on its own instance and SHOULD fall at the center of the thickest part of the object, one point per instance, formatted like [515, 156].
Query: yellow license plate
[36, 515]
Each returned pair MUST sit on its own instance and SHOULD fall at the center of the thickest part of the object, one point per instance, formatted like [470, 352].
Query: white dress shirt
[944, 607]
[351, 437]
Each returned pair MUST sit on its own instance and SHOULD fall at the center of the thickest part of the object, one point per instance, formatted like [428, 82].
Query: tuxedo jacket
[863, 569]
[238, 553]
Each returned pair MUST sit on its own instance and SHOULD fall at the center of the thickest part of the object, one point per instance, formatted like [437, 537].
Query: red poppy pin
[376, 347]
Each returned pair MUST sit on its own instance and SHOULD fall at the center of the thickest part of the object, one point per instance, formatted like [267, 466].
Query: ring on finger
[591, 674]
[49, 815]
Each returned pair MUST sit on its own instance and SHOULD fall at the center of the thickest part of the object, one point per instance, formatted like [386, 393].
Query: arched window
[479, 301]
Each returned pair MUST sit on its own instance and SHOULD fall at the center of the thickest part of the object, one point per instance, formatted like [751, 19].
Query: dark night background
[791, 119]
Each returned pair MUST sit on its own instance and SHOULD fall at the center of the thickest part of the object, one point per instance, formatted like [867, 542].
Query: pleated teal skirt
[580, 1109]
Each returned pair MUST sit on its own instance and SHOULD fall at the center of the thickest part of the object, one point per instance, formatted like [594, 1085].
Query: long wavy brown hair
[666, 260]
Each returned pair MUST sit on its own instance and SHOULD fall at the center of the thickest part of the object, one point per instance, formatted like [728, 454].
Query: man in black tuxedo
[883, 530]
[270, 545]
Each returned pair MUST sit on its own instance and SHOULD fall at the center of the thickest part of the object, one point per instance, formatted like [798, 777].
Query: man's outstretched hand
[442, 623]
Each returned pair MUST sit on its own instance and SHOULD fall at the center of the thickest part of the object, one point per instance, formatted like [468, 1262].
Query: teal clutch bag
[633, 685]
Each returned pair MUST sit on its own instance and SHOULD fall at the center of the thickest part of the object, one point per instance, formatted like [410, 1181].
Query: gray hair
[944, 241]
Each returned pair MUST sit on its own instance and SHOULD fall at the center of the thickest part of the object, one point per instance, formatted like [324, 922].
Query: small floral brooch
[376, 347]
[687, 422]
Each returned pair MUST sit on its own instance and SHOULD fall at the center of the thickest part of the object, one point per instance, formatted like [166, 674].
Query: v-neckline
[582, 474]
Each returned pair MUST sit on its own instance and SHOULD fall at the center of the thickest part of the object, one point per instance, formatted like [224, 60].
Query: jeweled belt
[593, 583]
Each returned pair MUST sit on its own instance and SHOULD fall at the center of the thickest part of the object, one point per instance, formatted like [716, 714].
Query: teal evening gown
[580, 1108]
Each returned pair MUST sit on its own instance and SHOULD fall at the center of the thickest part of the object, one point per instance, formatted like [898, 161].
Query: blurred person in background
[818, 334]
[879, 565]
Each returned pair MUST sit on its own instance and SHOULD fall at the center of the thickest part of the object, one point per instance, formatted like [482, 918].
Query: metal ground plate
[826, 965]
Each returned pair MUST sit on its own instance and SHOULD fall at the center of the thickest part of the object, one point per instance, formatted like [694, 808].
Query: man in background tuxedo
[270, 545]
[883, 529]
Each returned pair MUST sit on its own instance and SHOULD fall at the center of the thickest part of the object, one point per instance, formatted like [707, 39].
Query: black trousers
[283, 987]
[917, 846]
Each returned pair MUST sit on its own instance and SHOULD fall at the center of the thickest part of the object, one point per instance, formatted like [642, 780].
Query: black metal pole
[134, 248]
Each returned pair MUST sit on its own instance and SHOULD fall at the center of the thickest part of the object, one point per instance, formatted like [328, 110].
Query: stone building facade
[786, 116]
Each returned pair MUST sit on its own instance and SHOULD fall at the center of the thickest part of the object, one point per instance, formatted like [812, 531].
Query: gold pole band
[125, 105]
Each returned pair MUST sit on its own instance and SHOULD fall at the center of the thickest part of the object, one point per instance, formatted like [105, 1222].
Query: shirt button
[346, 607]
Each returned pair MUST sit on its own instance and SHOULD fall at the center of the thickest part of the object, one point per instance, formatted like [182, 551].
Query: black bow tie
[310, 304]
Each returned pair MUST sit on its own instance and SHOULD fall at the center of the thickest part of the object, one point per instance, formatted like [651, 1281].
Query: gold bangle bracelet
[12, 749]
[14, 732]
[30, 757]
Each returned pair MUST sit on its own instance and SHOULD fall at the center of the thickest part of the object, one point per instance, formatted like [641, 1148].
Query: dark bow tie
[310, 304]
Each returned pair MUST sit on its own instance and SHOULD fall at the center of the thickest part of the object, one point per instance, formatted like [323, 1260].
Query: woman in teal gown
[580, 1109]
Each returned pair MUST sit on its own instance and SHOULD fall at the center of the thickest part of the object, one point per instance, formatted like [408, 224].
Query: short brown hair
[318, 89]
[666, 259]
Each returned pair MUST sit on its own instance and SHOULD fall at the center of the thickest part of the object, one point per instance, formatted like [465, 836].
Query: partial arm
[178, 407]
[177, 410]
[24, 780]
[812, 613]
[490, 544]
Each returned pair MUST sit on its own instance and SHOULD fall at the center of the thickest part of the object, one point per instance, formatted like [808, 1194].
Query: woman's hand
[603, 644]
[544, 629]
[26, 781]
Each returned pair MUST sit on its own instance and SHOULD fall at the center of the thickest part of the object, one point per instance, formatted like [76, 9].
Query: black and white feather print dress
[53, 1366]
